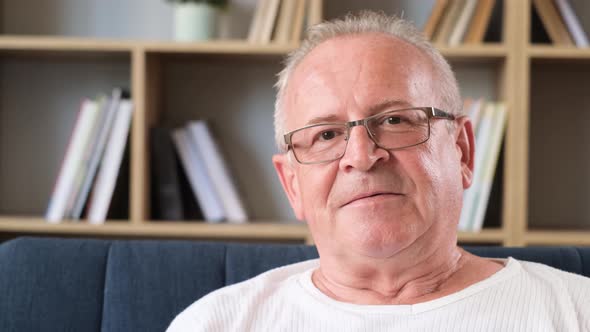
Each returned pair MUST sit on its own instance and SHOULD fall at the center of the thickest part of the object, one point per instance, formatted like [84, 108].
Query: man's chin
[378, 238]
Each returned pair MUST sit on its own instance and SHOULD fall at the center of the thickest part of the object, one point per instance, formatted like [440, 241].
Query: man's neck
[398, 281]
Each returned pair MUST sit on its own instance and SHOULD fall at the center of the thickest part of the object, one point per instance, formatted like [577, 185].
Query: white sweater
[523, 296]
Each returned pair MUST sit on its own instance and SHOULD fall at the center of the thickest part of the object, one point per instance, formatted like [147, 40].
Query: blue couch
[50, 284]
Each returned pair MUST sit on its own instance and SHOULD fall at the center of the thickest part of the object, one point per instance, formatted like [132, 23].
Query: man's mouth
[371, 197]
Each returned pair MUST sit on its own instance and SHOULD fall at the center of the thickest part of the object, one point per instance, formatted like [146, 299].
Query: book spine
[195, 170]
[71, 162]
[98, 148]
[462, 23]
[218, 172]
[572, 23]
[167, 198]
[496, 135]
[105, 182]
[435, 18]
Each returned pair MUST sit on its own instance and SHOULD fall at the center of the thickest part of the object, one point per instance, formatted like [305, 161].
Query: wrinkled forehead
[354, 72]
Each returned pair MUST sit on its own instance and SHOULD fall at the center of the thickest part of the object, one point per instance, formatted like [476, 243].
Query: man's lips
[362, 196]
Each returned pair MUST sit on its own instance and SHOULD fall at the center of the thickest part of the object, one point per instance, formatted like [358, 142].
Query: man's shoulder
[210, 310]
[566, 286]
[545, 272]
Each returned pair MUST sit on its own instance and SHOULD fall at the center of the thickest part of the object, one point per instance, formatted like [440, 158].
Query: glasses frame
[431, 113]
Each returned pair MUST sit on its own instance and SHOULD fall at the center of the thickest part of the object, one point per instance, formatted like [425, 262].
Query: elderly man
[375, 157]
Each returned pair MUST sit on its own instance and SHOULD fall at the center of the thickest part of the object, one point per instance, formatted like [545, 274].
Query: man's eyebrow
[390, 103]
[323, 119]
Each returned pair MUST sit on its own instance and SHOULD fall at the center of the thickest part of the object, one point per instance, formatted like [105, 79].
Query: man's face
[372, 201]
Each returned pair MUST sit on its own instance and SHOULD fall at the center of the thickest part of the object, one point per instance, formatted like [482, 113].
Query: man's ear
[465, 144]
[288, 179]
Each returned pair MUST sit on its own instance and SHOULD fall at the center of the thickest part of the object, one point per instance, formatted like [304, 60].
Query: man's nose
[362, 153]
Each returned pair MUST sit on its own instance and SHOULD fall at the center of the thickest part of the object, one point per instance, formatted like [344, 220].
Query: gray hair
[366, 22]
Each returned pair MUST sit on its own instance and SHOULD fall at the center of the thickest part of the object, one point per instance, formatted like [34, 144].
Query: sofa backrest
[50, 284]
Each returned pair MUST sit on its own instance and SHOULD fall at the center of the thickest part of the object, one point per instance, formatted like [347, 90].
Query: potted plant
[195, 20]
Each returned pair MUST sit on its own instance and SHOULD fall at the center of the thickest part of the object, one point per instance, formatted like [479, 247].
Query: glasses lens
[398, 129]
[319, 143]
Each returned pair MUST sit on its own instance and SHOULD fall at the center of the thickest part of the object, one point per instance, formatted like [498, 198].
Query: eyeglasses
[389, 130]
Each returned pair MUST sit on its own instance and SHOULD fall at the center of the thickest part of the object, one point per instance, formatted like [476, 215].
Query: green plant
[216, 3]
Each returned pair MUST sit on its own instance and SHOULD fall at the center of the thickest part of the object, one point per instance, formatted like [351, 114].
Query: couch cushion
[149, 282]
[51, 284]
[563, 258]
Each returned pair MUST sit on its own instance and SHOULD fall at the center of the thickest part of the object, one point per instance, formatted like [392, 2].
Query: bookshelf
[229, 82]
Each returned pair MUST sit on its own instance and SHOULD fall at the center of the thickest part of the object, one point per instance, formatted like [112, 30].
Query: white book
[285, 22]
[72, 161]
[481, 141]
[572, 23]
[462, 23]
[82, 169]
[268, 21]
[491, 160]
[257, 21]
[111, 164]
[475, 111]
[196, 172]
[217, 170]
[95, 151]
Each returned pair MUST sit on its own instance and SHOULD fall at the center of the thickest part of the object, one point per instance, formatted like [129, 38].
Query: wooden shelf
[558, 238]
[161, 229]
[505, 66]
[66, 44]
[558, 53]
[240, 47]
[193, 230]
[92, 45]
[475, 53]
[484, 52]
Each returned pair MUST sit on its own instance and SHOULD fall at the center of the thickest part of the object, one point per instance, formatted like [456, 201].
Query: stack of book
[282, 21]
[90, 169]
[489, 123]
[455, 22]
[212, 195]
[555, 21]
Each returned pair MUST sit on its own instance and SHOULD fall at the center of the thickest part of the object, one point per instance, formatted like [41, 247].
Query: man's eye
[328, 135]
[393, 120]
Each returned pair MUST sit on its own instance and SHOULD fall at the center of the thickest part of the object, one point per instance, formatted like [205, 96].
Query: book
[86, 156]
[268, 21]
[553, 23]
[167, 202]
[475, 110]
[120, 204]
[448, 22]
[489, 166]
[284, 24]
[218, 172]
[95, 150]
[109, 169]
[481, 142]
[72, 161]
[538, 32]
[572, 23]
[298, 20]
[256, 23]
[463, 21]
[315, 12]
[479, 23]
[195, 170]
[190, 205]
[434, 19]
